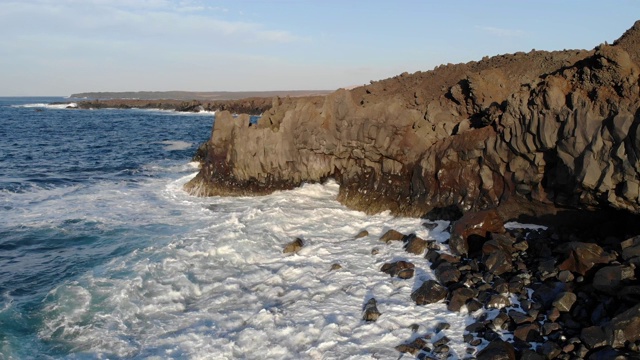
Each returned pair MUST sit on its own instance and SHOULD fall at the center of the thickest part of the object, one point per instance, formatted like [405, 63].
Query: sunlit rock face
[526, 133]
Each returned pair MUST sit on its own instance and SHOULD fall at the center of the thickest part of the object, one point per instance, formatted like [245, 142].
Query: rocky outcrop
[524, 133]
[251, 106]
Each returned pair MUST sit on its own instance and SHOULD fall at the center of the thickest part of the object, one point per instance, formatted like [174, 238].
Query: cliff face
[526, 133]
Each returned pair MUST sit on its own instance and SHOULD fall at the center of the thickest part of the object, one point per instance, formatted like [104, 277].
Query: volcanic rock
[447, 273]
[459, 297]
[371, 312]
[401, 269]
[624, 327]
[428, 293]
[564, 301]
[526, 134]
[609, 278]
[293, 246]
[414, 244]
[582, 256]
[480, 224]
[593, 337]
[497, 350]
[391, 235]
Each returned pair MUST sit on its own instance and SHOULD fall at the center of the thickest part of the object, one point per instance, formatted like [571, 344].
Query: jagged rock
[391, 235]
[624, 327]
[497, 350]
[607, 353]
[335, 266]
[501, 321]
[459, 298]
[479, 224]
[549, 328]
[547, 293]
[526, 133]
[528, 332]
[201, 152]
[564, 301]
[528, 354]
[442, 326]
[415, 245]
[362, 234]
[428, 293]
[565, 276]
[593, 336]
[413, 347]
[631, 248]
[550, 350]
[401, 269]
[371, 312]
[293, 246]
[497, 254]
[581, 257]
[447, 273]
[519, 317]
[609, 278]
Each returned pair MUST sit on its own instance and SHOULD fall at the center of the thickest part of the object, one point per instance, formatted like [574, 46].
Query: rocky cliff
[526, 133]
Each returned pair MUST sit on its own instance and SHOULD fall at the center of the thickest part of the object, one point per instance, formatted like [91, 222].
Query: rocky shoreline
[251, 106]
[549, 138]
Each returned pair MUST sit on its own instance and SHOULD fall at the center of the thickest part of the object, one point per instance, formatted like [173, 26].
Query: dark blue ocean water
[79, 188]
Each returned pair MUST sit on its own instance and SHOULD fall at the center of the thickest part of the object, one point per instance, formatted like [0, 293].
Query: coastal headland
[528, 134]
[542, 137]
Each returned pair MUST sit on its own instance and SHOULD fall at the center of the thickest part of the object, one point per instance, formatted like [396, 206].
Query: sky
[56, 48]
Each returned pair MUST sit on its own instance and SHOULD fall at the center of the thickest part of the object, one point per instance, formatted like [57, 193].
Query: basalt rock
[294, 246]
[527, 133]
[370, 311]
[401, 269]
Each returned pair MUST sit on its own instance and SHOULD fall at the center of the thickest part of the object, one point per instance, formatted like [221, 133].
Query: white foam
[516, 225]
[176, 145]
[48, 106]
[225, 288]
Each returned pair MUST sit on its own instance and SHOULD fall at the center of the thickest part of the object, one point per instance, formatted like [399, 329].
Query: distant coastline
[240, 102]
[195, 95]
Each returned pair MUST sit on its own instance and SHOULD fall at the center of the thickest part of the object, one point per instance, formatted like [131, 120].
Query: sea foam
[225, 290]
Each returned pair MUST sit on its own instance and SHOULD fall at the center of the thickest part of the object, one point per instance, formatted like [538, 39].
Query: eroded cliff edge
[527, 133]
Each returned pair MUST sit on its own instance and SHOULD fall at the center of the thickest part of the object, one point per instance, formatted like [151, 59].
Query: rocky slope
[526, 133]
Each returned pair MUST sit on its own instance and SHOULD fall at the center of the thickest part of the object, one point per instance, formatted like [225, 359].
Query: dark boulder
[497, 350]
[401, 269]
[294, 246]
[370, 311]
[609, 279]
[392, 235]
[624, 327]
[428, 293]
[477, 226]
[581, 257]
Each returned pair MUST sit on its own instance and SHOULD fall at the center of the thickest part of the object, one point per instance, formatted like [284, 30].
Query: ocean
[104, 256]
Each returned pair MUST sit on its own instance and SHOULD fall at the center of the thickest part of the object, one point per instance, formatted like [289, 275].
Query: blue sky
[60, 47]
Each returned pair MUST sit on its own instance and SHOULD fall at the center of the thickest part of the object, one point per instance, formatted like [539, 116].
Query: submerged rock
[371, 312]
[294, 246]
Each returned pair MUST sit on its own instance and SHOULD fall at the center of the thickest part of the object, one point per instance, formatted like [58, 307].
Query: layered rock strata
[526, 133]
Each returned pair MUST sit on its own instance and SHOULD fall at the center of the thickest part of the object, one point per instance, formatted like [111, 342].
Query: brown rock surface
[528, 133]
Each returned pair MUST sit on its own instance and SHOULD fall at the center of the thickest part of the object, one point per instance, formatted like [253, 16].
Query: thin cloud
[102, 18]
[501, 32]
